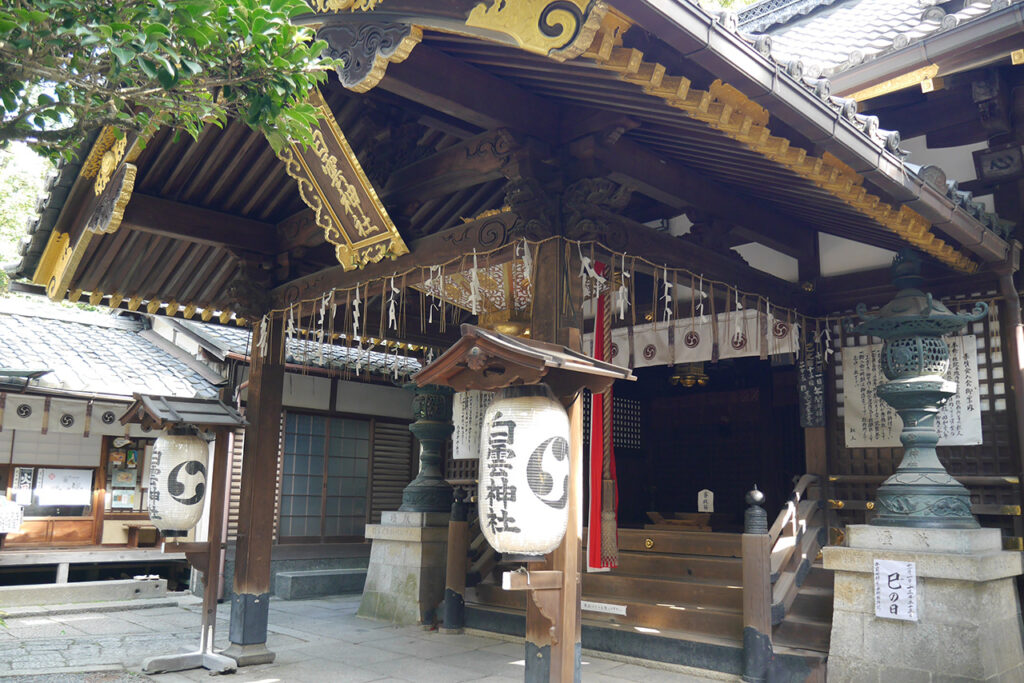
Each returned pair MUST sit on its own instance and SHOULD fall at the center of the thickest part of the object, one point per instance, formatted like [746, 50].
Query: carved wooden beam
[482, 234]
[471, 94]
[158, 216]
[366, 39]
[471, 162]
[677, 186]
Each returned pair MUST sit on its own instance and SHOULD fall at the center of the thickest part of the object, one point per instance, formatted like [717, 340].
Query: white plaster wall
[64, 450]
[374, 399]
[313, 392]
[840, 256]
[306, 391]
[769, 261]
[957, 162]
[171, 333]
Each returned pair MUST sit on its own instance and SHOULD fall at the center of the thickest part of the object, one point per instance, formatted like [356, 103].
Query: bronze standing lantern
[914, 359]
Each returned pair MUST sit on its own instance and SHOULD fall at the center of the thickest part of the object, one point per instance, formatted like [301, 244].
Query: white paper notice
[606, 607]
[869, 422]
[895, 590]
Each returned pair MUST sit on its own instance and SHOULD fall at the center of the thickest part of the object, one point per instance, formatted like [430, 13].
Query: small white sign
[895, 590]
[706, 501]
[606, 607]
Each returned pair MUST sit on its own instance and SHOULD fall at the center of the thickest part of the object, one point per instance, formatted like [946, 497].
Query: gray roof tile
[830, 37]
[95, 358]
[301, 352]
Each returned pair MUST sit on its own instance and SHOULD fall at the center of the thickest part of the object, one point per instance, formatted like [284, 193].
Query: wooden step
[813, 603]
[660, 565]
[803, 633]
[680, 542]
[624, 587]
[819, 577]
[664, 617]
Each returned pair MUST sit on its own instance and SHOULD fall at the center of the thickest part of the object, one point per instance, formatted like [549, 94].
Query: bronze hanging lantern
[915, 357]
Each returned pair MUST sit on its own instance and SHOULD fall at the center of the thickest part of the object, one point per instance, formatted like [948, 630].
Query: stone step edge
[82, 607]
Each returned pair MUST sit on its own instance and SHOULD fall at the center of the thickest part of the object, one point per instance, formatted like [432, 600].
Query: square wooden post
[251, 586]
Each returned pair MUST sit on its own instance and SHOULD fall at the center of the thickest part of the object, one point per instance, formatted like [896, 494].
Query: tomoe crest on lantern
[524, 471]
[177, 483]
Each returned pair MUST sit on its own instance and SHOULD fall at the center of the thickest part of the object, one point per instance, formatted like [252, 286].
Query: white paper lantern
[524, 471]
[177, 483]
[468, 408]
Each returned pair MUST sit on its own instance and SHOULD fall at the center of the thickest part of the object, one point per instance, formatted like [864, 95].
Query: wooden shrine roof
[161, 412]
[213, 225]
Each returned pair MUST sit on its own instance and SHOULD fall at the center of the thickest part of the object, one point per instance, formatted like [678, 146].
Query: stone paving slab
[314, 640]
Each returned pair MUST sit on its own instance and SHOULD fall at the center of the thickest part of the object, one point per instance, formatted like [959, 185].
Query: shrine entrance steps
[683, 597]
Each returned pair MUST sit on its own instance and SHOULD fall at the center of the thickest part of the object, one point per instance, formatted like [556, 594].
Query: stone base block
[316, 583]
[405, 578]
[969, 623]
[249, 655]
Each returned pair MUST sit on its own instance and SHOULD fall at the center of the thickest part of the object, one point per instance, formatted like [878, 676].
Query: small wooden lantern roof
[161, 412]
[488, 360]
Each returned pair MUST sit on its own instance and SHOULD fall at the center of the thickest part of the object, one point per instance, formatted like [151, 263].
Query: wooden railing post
[454, 616]
[757, 591]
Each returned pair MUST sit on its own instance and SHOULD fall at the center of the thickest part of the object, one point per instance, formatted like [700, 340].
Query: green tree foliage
[68, 66]
[22, 177]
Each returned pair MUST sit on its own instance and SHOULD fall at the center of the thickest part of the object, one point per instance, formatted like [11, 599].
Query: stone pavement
[315, 641]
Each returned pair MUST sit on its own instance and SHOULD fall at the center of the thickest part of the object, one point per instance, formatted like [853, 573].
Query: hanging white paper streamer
[474, 287]
[392, 315]
[622, 293]
[263, 343]
[290, 329]
[434, 288]
[527, 260]
[355, 317]
[592, 282]
[666, 296]
[320, 328]
[700, 302]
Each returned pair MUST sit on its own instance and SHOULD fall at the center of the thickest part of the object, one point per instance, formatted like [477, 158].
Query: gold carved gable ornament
[344, 202]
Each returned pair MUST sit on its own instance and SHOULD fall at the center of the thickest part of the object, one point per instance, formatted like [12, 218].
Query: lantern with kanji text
[524, 472]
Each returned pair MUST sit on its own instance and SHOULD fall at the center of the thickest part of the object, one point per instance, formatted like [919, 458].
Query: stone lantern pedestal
[406, 575]
[923, 593]
[968, 624]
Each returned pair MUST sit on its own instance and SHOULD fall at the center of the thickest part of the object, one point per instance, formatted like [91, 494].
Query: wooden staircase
[685, 590]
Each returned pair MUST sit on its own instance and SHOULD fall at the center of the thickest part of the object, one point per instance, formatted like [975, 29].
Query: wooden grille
[391, 464]
[995, 457]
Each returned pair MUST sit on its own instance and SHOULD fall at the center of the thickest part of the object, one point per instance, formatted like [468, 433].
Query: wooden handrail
[788, 513]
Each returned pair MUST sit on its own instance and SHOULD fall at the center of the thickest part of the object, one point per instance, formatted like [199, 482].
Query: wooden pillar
[454, 616]
[251, 587]
[1012, 334]
[553, 649]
